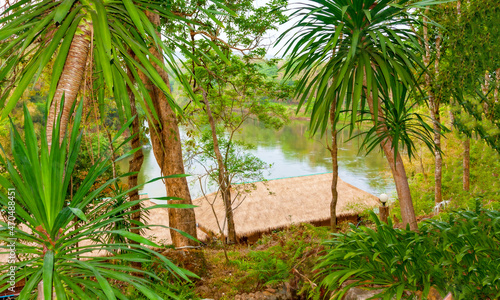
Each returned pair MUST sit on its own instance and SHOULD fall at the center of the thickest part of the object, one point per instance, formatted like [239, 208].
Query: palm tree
[358, 52]
[108, 38]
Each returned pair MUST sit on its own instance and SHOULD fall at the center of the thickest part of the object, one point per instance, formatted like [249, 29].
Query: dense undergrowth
[460, 255]
[277, 258]
[484, 177]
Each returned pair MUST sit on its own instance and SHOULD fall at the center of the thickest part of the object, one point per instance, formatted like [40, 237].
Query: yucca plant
[349, 56]
[61, 243]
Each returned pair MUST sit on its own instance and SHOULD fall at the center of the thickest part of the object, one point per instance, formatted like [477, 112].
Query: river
[292, 152]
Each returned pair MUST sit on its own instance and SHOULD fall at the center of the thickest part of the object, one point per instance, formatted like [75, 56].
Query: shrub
[52, 235]
[461, 255]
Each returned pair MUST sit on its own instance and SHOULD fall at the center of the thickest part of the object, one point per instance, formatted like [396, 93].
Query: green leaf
[134, 15]
[135, 237]
[48, 269]
[78, 212]
[62, 10]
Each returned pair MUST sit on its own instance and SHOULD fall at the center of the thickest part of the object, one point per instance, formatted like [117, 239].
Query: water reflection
[293, 153]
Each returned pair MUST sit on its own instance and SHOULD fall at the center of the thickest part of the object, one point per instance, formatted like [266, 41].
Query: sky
[272, 36]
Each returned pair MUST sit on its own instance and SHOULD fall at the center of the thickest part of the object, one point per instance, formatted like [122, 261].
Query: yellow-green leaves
[62, 10]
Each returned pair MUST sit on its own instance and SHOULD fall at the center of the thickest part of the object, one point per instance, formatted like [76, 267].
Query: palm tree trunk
[135, 163]
[224, 184]
[402, 186]
[167, 149]
[335, 169]
[68, 87]
[398, 172]
[70, 80]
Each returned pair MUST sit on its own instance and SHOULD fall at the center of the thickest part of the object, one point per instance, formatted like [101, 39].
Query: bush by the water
[461, 255]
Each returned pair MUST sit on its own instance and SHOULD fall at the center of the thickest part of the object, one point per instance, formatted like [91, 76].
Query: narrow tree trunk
[466, 165]
[70, 80]
[438, 165]
[167, 149]
[495, 93]
[335, 169]
[398, 172]
[224, 184]
[434, 110]
[486, 89]
[134, 166]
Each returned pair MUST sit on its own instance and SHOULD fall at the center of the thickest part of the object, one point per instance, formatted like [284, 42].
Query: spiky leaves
[352, 49]
[38, 34]
[51, 235]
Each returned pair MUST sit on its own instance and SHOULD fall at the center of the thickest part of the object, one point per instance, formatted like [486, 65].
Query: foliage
[469, 68]
[57, 241]
[400, 123]
[120, 213]
[484, 176]
[36, 31]
[350, 50]
[239, 91]
[286, 254]
[266, 268]
[240, 165]
[461, 255]
[182, 289]
[243, 29]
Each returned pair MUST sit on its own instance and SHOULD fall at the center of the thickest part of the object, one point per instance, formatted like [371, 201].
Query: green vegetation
[484, 177]
[58, 236]
[87, 83]
[459, 255]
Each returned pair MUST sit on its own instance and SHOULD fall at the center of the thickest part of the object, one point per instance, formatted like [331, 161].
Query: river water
[292, 152]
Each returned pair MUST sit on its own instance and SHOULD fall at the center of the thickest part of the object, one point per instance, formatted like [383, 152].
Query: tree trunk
[398, 172]
[68, 86]
[135, 164]
[466, 165]
[402, 186]
[335, 169]
[167, 149]
[70, 80]
[434, 110]
[438, 160]
[224, 184]
[495, 93]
